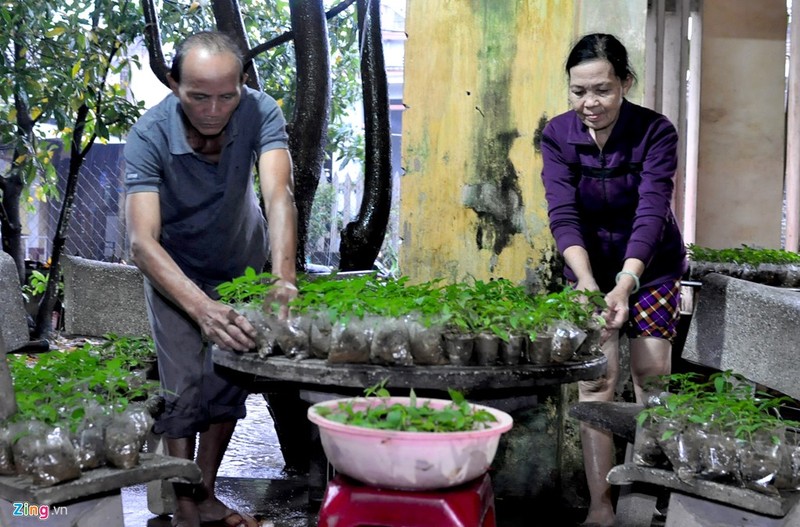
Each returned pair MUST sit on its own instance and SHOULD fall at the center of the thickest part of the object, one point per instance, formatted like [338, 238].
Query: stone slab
[739, 497]
[749, 328]
[468, 379]
[13, 317]
[688, 511]
[100, 480]
[102, 298]
[619, 418]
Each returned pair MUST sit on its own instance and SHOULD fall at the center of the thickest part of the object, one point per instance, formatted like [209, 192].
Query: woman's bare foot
[599, 518]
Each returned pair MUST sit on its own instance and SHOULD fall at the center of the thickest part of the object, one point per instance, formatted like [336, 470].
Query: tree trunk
[11, 220]
[11, 186]
[152, 39]
[309, 126]
[44, 313]
[228, 15]
[362, 239]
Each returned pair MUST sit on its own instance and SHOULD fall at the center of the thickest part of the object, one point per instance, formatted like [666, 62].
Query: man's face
[210, 89]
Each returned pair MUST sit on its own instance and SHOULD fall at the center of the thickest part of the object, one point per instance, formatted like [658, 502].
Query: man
[194, 221]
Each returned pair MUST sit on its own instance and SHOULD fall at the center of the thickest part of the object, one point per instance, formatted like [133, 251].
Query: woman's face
[595, 93]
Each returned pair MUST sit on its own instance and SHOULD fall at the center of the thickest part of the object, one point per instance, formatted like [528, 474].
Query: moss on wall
[481, 77]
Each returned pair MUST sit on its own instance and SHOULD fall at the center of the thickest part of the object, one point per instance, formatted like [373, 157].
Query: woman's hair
[601, 46]
[213, 41]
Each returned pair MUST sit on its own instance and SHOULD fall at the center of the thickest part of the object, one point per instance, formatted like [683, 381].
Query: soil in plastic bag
[681, 448]
[45, 453]
[265, 335]
[427, 347]
[351, 341]
[125, 435]
[6, 457]
[320, 335]
[718, 459]
[292, 336]
[567, 338]
[390, 343]
[89, 438]
[759, 463]
[646, 450]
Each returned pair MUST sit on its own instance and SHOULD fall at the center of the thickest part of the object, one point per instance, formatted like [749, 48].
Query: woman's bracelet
[632, 275]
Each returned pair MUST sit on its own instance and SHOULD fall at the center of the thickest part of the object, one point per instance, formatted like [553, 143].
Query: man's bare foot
[214, 511]
[186, 514]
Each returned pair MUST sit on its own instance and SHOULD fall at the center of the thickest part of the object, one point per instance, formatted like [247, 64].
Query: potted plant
[767, 266]
[78, 409]
[717, 428]
[367, 319]
[409, 443]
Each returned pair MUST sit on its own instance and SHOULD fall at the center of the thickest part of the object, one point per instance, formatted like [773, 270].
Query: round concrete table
[467, 379]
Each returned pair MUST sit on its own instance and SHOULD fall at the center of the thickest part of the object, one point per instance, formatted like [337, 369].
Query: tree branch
[289, 35]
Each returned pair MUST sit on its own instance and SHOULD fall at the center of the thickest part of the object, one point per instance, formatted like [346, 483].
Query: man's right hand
[226, 328]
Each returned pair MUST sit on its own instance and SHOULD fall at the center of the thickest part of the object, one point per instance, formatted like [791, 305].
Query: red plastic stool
[349, 503]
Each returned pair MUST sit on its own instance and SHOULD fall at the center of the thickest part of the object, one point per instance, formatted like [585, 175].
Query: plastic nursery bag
[89, 438]
[45, 453]
[567, 338]
[351, 341]
[390, 343]
[292, 336]
[6, 458]
[125, 436]
[320, 335]
[265, 336]
[426, 342]
[759, 461]
[718, 458]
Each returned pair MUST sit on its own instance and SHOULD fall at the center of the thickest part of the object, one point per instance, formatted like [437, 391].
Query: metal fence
[96, 228]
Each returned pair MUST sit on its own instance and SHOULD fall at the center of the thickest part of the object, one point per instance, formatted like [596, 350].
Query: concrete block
[13, 317]
[102, 297]
[749, 328]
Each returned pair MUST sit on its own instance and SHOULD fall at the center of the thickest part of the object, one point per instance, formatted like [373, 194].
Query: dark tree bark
[12, 184]
[43, 323]
[152, 39]
[309, 126]
[11, 221]
[229, 20]
[362, 238]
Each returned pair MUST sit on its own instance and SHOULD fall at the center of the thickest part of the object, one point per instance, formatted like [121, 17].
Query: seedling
[459, 416]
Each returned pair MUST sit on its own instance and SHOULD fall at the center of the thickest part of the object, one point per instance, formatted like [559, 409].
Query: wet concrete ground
[252, 479]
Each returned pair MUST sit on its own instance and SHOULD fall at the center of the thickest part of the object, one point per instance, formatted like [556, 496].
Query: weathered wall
[740, 172]
[480, 76]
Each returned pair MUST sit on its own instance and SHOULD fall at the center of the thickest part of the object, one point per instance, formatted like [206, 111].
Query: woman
[608, 176]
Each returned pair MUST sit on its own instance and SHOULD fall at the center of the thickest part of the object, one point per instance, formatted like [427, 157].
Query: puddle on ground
[254, 451]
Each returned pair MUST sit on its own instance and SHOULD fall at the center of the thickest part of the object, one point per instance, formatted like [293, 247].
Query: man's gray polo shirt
[211, 221]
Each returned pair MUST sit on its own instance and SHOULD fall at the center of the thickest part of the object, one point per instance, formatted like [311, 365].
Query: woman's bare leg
[598, 445]
[650, 357]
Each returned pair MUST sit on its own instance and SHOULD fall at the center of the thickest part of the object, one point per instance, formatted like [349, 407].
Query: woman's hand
[587, 284]
[617, 311]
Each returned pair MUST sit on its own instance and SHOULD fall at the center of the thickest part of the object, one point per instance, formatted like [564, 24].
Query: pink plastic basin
[409, 460]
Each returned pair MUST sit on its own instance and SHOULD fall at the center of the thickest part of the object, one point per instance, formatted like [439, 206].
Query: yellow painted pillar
[481, 77]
